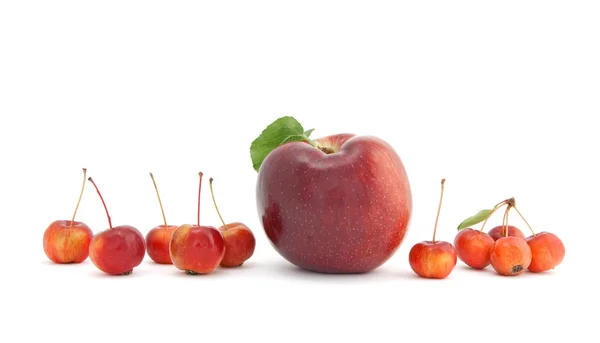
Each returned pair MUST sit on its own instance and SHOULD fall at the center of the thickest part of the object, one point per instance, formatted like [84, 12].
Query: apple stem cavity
[80, 196]
[200, 174]
[210, 182]
[103, 203]
[159, 201]
[326, 150]
[522, 217]
[437, 217]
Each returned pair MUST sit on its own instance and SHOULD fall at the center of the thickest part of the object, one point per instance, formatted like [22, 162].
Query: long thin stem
[505, 201]
[200, 174]
[529, 226]
[493, 210]
[215, 202]
[103, 203]
[80, 195]
[159, 201]
[437, 217]
[504, 221]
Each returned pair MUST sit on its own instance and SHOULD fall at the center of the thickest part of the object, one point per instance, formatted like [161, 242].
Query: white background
[500, 99]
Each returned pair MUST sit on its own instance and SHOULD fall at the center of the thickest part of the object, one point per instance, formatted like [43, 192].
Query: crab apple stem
[103, 203]
[505, 221]
[80, 195]
[437, 217]
[200, 174]
[159, 201]
[529, 226]
[493, 210]
[210, 181]
[502, 202]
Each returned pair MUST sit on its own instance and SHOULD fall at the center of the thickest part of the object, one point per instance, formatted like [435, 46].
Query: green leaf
[283, 130]
[477, 218]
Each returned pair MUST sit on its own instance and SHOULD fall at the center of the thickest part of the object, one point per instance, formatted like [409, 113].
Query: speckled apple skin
[346, 212]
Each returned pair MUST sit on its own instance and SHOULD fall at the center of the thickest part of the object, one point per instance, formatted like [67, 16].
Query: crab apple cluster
[505, 247]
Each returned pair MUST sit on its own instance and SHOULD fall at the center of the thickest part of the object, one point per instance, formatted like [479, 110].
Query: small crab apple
[473, 247]
[68, 241]
[159, 237]
[433, 259]
[238, 238]
[117, 250]
[197, 249]
[510, 255]
[547, 250]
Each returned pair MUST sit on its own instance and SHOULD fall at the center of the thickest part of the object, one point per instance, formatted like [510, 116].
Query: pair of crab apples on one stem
[118, 250]
[504, 247]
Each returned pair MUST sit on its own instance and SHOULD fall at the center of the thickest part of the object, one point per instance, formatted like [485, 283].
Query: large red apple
[342, 205]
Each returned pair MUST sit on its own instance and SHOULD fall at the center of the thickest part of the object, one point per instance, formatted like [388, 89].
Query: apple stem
[502, 203]
[210, 181]
[505, 221]
[159, 201]
[529, 226]
[200, 174]
[498, 206]
[80, 196]
[437, 217]
[103, 203]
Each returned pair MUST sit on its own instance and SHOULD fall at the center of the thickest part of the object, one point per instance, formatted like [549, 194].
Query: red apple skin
[118, 250]
[433, 260]
[547, 251]
[197, 249]
[497, 232]
[157, 243]
[473, 247]
[239, 244]
[345, 212]
[64, 243]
